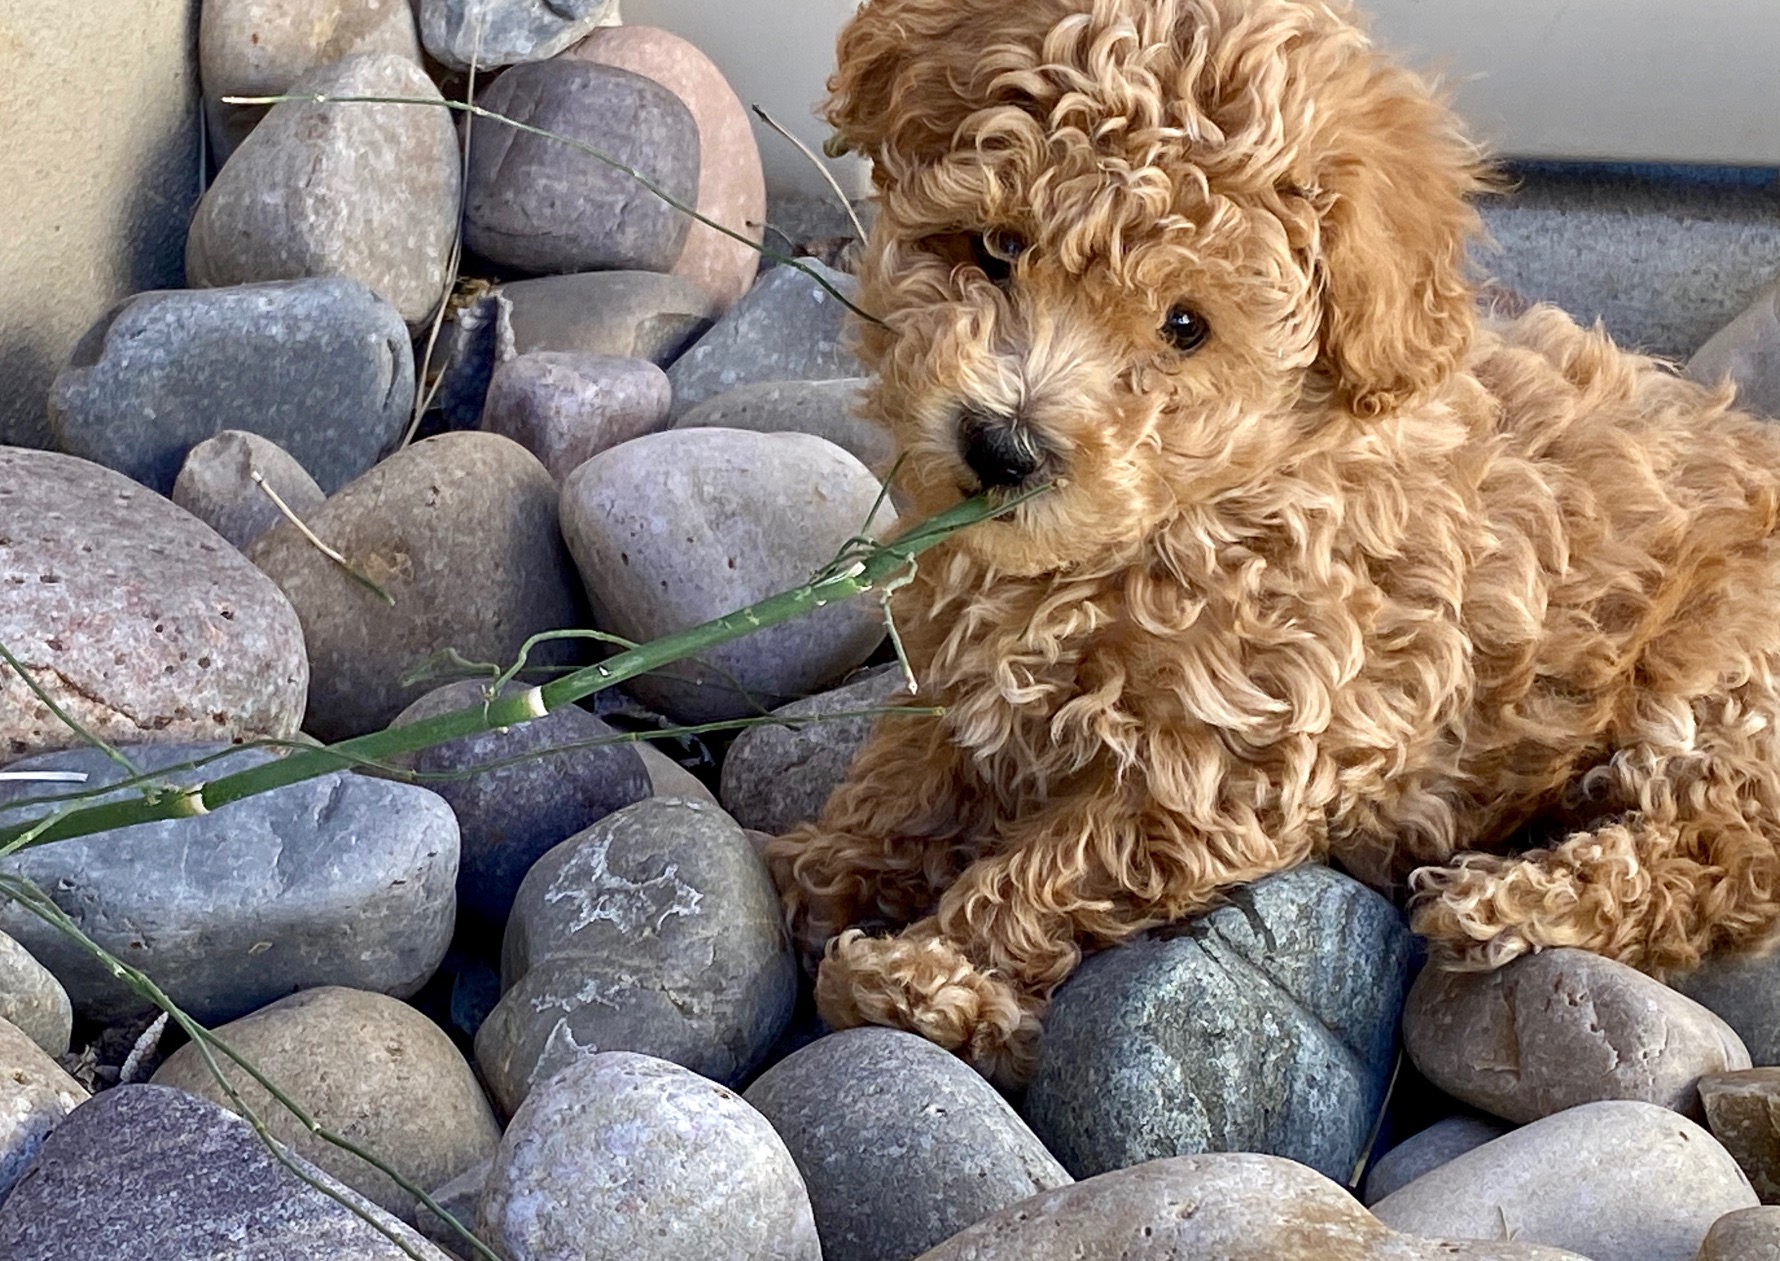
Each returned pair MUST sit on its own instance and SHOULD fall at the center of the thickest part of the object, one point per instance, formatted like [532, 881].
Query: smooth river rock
[35, 1095]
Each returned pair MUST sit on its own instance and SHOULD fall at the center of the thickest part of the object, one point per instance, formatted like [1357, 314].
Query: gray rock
[461, 531]
[667, 778]
[262, 47]
[1421, 1153]
[492, 33]
[542, 206]
[775, 778]
[901, 1144]
[138, 619]
[673, 529]
[1229, 1207]
[513, 815]
[788, 328]
[567, 408]
[1743, 1111]
[322, 367]
[827, 409]
[622, 1155]
[1614, 1181]
[148, 1171]
[340, 880]
[1746, 352]
[368, 1067]
[1559, 1028]
[32, 1000]
[35, 1094]
[1749, 1234]
[459, 1199]
[347, 189]
[731, 185]
[624, 314]
[1744, 991]
[216, 486]
[656, 930]
[1268, 1025]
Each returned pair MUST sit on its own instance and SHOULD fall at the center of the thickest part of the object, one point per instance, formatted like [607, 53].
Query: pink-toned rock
[567, 408]
[731, 188]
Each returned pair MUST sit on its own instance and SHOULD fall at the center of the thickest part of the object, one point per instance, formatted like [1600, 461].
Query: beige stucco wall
[98, 173]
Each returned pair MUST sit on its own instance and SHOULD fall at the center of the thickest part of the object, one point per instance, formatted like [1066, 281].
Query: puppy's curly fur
[1333, 568]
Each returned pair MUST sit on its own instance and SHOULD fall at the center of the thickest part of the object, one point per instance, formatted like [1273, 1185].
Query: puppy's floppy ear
[892, 89]
[1396, 175]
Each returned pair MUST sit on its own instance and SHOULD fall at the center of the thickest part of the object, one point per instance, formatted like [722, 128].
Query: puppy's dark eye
[1185, 329]
[996, 252]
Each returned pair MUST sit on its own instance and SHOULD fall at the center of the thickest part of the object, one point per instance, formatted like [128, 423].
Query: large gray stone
[625, 314]
[1559, 1028]
[149, 1171]
[490, 33]
[1268, 1025]
[460, 530]
[788, 328]
[1421, 1153]
[32, 1000]
[102, 141]
[776, 777]
[567, 408]
[532, 800]
[340, 880]
[35, 1094]
[339, 189]
[656, 930]
[543, 206]
[1228, 1207]
[827, 409]
[626, 1156]
[263, 47]
[366, 1066]
[1744, 991]
[901, 1144]
[136, 618]
[731, 185]
[321, 367]
[673, 529]
[216, 485]
[1614, 1181]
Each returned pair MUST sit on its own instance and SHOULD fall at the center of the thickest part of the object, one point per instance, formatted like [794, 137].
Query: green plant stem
[478, 111]
[870, 570]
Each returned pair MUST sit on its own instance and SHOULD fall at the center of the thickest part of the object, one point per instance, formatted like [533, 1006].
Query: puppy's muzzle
[1001, 451]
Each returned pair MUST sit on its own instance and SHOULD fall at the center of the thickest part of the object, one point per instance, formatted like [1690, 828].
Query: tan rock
[262, 47]
[1559, 1029]
[731, 188]
[101, 137]
[35, 1094]
[1613, 1181]
[370, 1068]
[1750, 1234]
[1743, 1110]
[1225, 1207]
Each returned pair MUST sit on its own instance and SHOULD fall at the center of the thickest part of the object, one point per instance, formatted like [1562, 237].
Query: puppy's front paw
[930, 987]
[1458, 910]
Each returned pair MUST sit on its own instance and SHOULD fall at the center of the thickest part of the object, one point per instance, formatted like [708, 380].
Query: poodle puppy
[1331, 566]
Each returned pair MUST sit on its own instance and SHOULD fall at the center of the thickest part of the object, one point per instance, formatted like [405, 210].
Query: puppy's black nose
[999, 450]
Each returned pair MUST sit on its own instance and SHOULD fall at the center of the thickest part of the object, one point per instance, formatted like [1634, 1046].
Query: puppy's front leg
[888, 840]
[977, 975]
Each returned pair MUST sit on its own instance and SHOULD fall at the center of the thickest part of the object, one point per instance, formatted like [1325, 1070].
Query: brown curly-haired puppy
[1331, 569]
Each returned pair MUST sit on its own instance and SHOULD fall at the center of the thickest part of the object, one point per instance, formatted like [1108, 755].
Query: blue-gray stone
[150, 1171]
[787, 328]
[321, 367]
[490, 33]
[340, 880]
[901, 1144]
[1268, 1025]
[539, 205]
[656, 930]
[531, 801]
